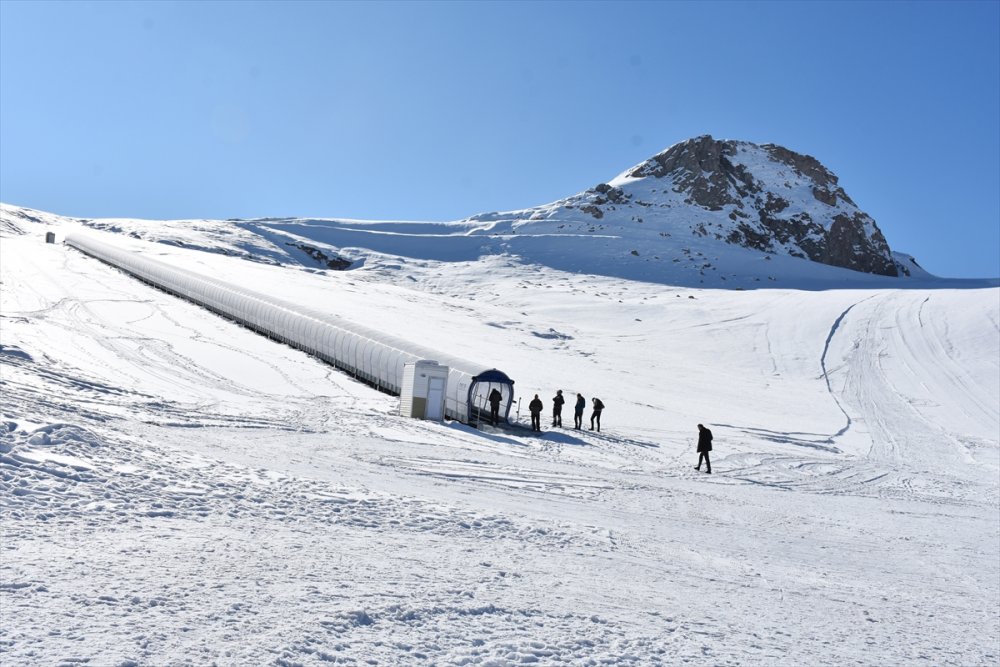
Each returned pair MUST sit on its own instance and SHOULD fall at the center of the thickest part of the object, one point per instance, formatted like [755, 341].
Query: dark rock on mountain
[330, 262]
[701, 169]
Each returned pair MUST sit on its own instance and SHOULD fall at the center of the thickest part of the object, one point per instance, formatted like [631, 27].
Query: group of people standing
[536, 406]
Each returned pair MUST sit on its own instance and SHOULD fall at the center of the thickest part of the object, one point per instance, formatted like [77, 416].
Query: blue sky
[437, 111]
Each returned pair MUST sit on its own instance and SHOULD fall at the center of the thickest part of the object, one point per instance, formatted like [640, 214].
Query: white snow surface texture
[177, 490]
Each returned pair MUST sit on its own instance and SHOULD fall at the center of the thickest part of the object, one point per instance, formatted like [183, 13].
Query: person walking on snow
[557, 403]
[536, 413]
[581, 403]
[704, 447]
[596, 414]
[495, 398]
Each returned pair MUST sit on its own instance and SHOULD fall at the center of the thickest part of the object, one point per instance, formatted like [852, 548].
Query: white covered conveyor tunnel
[369, 355]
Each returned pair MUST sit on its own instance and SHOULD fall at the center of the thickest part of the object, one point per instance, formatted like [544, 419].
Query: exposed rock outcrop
[768, 213]
[327, 261]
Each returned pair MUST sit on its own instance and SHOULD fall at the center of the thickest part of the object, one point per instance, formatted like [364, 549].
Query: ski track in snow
[826, 374]
[175, 490]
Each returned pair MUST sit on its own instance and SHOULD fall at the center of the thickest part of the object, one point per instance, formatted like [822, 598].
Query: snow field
[176, 490]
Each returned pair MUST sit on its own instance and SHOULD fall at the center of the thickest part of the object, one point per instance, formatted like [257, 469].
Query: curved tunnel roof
[493, 375]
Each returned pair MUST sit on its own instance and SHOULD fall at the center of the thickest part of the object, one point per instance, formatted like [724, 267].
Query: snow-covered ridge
[703, 213]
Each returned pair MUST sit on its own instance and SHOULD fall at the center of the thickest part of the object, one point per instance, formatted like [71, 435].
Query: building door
[435, 399]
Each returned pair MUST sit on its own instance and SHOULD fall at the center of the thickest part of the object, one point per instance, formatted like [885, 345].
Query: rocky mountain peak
[705, 166]
[762, 197]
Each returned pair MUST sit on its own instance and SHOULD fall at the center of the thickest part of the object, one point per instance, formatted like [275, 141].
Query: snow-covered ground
[178, 490]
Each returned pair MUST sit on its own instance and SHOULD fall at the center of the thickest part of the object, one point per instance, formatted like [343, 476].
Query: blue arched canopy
[480, 388]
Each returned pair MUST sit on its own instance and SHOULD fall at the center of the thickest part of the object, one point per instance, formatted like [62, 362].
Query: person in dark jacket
[557, 403]
[581, 403]
[495, 398]
[704, 447]
[535, 407]
[596, 414]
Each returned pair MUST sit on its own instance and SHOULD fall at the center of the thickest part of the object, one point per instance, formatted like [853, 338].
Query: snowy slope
[606, 248]
[178, 490]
